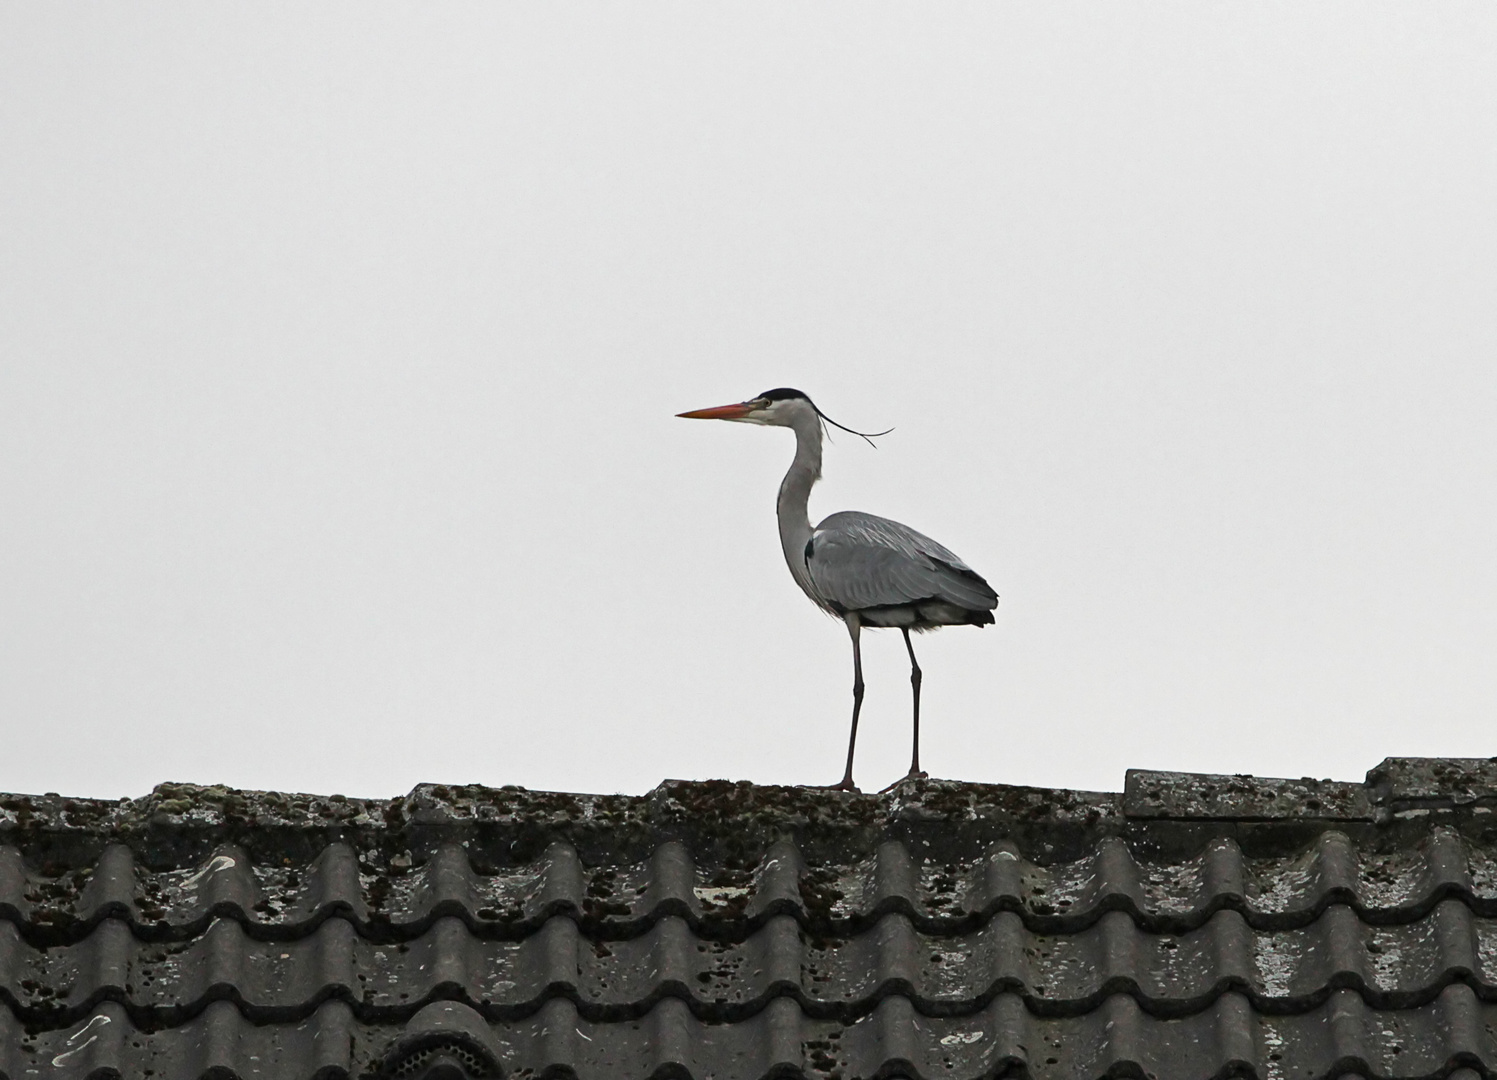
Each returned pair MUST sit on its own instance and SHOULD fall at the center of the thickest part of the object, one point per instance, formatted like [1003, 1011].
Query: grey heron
[866, 570]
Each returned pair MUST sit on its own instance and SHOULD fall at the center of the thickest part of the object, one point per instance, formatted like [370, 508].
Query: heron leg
[914, 686]
[854, 627]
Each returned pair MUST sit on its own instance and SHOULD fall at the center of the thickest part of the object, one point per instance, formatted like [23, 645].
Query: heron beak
[722, 412]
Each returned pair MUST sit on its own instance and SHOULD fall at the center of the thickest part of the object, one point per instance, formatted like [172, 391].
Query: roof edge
[177, 821]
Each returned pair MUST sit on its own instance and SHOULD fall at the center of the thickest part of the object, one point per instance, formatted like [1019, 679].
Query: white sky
[339, 347]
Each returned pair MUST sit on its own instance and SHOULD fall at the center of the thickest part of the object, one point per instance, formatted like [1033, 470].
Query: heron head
[779, 408]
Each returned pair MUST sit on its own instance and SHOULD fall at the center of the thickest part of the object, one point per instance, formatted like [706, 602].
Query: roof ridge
[1147, 793]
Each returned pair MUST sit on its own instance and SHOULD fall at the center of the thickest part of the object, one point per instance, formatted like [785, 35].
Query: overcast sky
[340, 347]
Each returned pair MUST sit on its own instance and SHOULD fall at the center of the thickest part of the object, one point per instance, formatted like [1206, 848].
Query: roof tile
[1188, 928]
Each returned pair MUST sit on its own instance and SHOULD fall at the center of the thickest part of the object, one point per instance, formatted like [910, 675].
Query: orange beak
[722, 412]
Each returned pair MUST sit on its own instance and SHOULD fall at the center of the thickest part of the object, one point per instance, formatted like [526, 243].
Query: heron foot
[845, 784]
[905, 779]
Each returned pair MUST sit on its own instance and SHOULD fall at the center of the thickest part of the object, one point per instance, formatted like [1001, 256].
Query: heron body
[864, 569]
[890, 575]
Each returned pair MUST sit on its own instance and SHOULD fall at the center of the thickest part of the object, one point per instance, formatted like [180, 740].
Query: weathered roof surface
[1189, 927]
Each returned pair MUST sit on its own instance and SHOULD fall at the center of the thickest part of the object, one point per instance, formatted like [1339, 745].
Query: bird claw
[845, 784]
[922, 775]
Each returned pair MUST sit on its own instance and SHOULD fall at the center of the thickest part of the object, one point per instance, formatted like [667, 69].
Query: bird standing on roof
[867, 570]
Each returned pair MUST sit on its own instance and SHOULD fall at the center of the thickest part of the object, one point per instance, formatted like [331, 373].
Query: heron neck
[795, 497]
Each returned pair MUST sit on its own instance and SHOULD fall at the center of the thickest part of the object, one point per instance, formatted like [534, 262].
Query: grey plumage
[892, 575]
[867, 570]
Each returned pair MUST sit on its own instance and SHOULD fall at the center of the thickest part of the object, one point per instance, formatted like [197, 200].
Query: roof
[1188, 927]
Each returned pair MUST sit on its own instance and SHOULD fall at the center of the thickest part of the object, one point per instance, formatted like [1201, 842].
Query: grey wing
[859, 561]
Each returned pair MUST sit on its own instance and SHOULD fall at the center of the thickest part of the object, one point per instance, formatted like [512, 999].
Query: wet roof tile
[1190, 926]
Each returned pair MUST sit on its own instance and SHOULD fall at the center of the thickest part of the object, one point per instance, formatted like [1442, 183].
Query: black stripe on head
[785, 393]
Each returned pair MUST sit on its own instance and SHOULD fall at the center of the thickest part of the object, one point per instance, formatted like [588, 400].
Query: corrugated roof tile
[1191, 927]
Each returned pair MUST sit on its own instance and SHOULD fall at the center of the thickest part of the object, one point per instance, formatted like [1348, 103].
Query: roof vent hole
[461, 1060]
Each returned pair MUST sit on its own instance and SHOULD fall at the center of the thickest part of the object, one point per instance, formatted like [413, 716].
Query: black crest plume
[784, 393]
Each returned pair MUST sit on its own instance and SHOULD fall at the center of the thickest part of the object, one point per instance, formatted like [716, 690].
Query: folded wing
[860, 561]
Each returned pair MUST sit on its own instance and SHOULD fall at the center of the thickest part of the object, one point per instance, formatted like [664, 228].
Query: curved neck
[795, 495]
